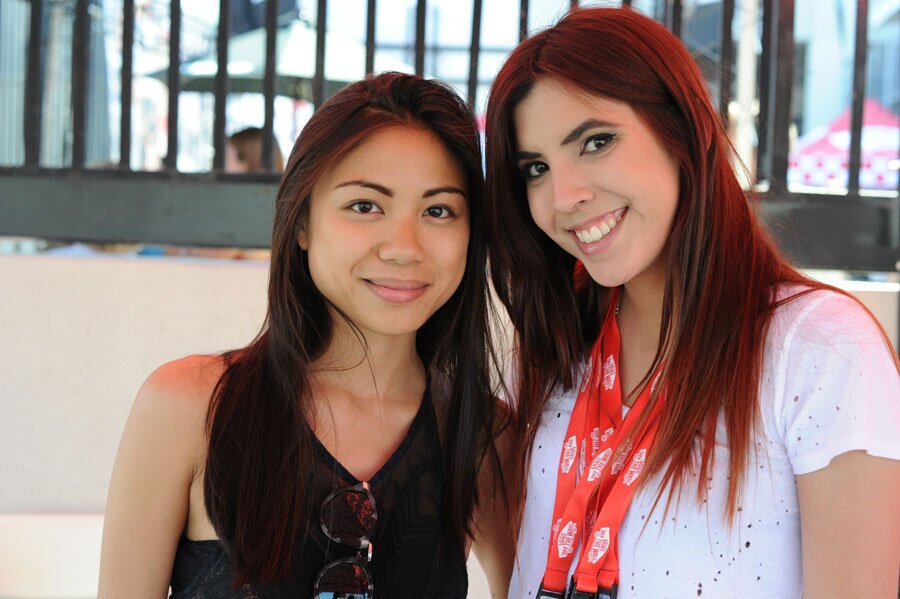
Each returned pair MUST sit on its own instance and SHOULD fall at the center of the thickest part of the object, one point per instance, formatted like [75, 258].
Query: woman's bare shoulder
[184, 382]
[175, 398]
[160, 456]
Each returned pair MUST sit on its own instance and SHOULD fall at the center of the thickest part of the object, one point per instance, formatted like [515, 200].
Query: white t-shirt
[828, 386]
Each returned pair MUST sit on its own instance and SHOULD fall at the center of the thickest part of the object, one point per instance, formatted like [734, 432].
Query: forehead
[397, 155]
[552, 108]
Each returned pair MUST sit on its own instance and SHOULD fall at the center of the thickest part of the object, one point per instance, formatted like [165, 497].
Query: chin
[608, 279]
[397, 329]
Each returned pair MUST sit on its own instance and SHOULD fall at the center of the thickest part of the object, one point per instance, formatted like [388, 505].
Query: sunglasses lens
[349, 517]
[343, 580]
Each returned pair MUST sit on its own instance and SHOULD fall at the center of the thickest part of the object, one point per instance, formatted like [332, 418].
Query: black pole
[318, 91]
[370, 36]
[269, 82]
[34, 86]
[174, 81]
[81, 39]
[474, 49]
[127, 62]
[780, 107]
[221, 83]
[859, 95]
[726, 62]
[523, 20]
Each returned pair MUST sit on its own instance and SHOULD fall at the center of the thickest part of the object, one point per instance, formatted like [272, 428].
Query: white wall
[77, 337]
[79, 334]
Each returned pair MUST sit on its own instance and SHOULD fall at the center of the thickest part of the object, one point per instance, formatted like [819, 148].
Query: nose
[402, 241]
[570, 187]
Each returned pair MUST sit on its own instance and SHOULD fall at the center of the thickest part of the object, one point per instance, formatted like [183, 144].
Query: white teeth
[597, 232]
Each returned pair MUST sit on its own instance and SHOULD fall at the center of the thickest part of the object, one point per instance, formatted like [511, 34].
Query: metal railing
[856, 230]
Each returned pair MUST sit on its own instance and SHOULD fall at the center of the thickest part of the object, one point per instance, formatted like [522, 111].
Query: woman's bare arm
[850, 527]
[160, 454]
[495, 543]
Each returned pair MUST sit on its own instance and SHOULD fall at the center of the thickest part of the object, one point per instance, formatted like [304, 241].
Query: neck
[372, 367]
[640, 309]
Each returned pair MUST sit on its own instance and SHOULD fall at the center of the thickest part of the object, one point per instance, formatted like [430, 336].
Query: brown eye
[438, 212]
[595, 143]
[363, 207]
[533, 170]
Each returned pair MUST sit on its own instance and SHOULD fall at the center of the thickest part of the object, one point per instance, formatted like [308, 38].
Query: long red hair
[723, 269]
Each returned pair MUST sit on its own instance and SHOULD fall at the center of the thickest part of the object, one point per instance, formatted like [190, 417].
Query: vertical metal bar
[34, 86]
[474, 49]
[174, 81]
[370, 36]
[726, 54]
[674, 14]
[80, 45]
[859, 95]
[420, 37]
[783, 83]
[127, 61]
[763, 151]
[221, 84]
[626, 2]
[523, 20]
[271, 76]
[318, 91]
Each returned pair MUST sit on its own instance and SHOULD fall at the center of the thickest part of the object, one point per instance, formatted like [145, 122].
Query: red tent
[820, 158]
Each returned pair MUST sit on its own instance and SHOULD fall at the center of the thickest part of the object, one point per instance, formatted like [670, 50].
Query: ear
[302, 236]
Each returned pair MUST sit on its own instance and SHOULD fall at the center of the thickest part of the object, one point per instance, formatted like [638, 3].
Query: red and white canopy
[820, 158]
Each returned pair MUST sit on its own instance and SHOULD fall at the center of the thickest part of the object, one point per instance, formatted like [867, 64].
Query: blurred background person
[243, 152]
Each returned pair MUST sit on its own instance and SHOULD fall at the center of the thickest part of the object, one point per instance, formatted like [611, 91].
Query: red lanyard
[591, 500]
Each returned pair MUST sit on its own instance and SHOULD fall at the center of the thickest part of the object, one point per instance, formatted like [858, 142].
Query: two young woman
[682, 396]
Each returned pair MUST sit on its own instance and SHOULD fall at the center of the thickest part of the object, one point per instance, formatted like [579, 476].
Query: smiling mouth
[397, 291]
[599, 229]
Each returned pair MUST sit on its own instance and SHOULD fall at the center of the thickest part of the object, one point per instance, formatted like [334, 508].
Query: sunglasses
[348, 517]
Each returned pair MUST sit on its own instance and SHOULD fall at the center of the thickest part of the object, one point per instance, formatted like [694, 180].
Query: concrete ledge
[49, 555]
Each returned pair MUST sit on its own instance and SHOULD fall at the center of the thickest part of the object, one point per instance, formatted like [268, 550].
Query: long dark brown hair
[722, 271]
[260, 438]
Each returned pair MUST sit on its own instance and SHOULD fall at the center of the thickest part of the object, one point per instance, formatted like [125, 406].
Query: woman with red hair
[691, 409]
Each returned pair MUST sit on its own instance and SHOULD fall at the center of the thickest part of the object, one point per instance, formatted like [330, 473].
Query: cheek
[453, 258]
[316, 268]
[460, 253]
[539, 213]
[670, 185]
[671, 189]
[327, 256]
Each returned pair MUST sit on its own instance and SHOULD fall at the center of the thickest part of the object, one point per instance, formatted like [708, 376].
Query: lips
[597, 228]
[397, 291]
[596, 234]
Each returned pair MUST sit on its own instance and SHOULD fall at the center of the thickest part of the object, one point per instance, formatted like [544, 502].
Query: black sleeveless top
[411, 555]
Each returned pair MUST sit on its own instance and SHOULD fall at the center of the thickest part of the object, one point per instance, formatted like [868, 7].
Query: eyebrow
[580, 129]
[446, 189]
[390, 193]
[367, 184]
[572, 136]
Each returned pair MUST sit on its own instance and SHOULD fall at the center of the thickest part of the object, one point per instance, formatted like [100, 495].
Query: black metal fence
[853, 230]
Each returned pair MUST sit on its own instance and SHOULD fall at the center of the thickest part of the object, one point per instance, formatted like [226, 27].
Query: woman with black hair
[338, 454]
